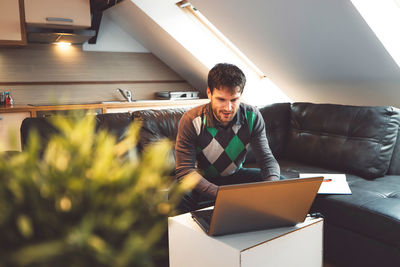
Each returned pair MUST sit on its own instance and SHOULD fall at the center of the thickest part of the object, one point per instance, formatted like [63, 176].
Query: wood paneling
[88, 93]
[41, 74]
[51, 63]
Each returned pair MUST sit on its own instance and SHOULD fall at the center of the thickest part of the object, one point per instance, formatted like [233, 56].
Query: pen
[327, 180]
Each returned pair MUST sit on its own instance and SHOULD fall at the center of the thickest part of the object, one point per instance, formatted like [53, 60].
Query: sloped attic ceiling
[187, 46]
[318, 51]
[144, 27]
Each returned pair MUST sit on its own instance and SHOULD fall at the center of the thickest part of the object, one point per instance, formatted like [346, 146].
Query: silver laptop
[255, 206]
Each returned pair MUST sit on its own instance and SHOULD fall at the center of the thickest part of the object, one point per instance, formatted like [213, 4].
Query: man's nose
[229, 106]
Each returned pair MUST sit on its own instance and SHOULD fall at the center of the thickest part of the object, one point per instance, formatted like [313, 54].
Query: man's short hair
[224, 74]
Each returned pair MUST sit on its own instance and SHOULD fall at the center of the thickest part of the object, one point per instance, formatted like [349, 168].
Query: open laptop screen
[263, 205]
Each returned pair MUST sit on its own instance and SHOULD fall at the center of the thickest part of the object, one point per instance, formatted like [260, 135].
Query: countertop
[103, 105]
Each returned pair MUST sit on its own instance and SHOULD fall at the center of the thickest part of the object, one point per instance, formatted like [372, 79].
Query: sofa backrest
[352, 139]
[277, 121]
[115, 123]
[158, 124]
[42, 126]
[360, 140]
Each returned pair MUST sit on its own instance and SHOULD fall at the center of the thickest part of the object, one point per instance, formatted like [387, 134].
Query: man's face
[224, 104]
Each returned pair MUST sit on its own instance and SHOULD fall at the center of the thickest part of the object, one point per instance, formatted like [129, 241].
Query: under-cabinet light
[62, 44]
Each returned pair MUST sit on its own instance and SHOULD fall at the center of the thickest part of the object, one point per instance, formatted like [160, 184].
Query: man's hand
[271, 178]
[205, 187]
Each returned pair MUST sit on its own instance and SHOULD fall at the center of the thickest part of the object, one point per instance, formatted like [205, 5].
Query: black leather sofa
[362, 229]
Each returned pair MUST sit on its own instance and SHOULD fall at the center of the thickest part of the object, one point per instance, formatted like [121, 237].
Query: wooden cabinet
[10, 123]
[12, 26]
[58, 13]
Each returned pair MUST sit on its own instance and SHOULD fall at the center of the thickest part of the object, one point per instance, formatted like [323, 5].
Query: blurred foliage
[86, 200]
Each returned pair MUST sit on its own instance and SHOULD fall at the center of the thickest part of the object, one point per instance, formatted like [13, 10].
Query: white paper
[333, 183]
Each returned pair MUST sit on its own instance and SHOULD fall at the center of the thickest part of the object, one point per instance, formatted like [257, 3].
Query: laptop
[256, 206]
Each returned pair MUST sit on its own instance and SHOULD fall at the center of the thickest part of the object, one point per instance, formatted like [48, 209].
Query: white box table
[300, 245]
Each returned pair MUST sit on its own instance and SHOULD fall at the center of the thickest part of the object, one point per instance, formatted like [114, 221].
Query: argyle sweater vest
[221, 151]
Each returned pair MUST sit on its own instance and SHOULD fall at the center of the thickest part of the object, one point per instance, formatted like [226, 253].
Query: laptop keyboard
[205, 215]
[208, 215]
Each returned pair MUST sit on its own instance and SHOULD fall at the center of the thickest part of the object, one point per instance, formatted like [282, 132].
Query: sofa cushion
[351, 139]
[372, 210]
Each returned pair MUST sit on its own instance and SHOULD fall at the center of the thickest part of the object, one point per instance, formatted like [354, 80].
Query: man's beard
[220, 116]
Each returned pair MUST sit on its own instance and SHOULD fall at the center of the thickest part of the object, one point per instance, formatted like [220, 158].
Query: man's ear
[209, 93]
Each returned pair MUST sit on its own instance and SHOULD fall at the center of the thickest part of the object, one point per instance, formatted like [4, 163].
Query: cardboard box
[300, 245]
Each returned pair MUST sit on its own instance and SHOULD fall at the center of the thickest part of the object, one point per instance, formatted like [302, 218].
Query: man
[213, 139]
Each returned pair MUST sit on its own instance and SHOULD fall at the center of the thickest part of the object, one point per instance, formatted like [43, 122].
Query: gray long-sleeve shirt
[205, 146]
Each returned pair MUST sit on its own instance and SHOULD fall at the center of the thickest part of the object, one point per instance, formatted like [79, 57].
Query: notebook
[256, 206]
[334, 183]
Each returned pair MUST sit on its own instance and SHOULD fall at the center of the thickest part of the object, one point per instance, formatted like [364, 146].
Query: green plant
[87, 201]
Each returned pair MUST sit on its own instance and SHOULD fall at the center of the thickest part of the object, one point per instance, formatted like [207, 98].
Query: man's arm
[259, 143]
[185, 156]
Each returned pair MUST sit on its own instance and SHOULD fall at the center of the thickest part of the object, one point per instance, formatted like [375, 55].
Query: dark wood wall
[42, 74]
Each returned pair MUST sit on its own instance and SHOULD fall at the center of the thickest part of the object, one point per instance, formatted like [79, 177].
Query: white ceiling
[319, 51]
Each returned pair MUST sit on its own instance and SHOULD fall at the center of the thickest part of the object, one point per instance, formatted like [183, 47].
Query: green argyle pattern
[221, 151]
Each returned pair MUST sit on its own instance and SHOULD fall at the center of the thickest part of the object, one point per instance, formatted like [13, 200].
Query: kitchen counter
[104, 106]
